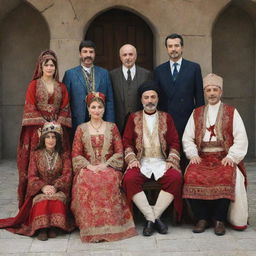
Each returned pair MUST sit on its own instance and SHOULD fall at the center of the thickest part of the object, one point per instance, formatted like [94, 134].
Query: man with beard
[87, 78]
[215, 141]
[180, 82]
[151, 146]
[126, 81]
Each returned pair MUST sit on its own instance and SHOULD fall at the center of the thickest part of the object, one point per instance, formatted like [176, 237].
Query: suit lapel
[169, 84]
[80, 76]
[121, 79]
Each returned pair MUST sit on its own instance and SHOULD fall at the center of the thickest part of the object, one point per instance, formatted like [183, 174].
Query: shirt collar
[132, 69]
[179, 62]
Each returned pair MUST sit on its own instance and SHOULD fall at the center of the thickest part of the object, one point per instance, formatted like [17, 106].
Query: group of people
[158, 116]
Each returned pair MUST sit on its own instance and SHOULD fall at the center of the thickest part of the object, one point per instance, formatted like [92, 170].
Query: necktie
[175, 71]
[89, 80]
[129, 77]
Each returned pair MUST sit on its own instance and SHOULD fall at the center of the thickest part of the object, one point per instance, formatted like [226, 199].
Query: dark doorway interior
[116, 27]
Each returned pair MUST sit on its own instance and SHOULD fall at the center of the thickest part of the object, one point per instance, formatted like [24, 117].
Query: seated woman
[100, 209]
[49, 180]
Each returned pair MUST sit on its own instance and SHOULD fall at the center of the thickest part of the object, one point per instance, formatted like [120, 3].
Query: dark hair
[87, 43]
[58, 146]
[54, 62]
[173, 36]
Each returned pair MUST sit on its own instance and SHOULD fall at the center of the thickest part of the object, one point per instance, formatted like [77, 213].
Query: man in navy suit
[180, 83]
[86, 78]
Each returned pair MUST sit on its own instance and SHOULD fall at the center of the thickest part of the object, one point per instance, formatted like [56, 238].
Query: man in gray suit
[125, 81]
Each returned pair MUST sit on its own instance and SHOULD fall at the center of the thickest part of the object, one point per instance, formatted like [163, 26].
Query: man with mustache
[86, 78]
[152, 146]
[180, 82]
[215, 141]
[126, 80]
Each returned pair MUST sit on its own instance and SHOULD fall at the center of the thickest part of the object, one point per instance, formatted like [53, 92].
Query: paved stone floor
[180, 241]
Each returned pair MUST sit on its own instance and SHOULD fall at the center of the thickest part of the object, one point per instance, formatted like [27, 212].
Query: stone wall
[61, 24]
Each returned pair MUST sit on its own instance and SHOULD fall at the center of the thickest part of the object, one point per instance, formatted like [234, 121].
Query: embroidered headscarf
[95, 95]
[45, 56]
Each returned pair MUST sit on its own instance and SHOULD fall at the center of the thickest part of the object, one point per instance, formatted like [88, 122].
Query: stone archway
[115, 27]
[23, 35]
[234, 59]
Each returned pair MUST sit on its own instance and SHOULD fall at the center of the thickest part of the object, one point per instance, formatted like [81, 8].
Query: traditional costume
[100, 209]
[214, 132]
[40, 210]
[152, 140]
[41, 107]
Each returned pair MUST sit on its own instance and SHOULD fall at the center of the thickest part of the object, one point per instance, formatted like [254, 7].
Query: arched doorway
[23, 35]
[116, 27]
[234, 59]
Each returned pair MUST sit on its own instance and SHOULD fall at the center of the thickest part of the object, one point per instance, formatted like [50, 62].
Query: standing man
[151, 145]
[215, 141]
[87, 78]
[126, 81]
[180, 82]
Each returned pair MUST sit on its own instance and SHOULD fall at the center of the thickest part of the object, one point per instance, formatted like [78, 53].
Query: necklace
[97, 129]
[51, 159]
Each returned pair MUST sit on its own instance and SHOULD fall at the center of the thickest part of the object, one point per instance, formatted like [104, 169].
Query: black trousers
[210, 209]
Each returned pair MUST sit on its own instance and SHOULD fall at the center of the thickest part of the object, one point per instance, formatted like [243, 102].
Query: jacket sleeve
[199, 93]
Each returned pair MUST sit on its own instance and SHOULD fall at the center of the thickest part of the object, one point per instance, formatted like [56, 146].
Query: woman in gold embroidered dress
[46, 100]
[100, 209]
[45, 209]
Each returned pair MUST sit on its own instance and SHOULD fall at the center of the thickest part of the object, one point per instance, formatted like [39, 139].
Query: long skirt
[100, 208]
[42, 211]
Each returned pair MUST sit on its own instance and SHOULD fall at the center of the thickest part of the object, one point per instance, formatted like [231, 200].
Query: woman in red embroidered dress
[100, 209]
[49, 180]
[46, 101]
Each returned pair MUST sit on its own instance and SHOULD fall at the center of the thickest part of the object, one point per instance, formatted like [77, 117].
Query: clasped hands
[49, 190]
[97, 168]
[226, 161]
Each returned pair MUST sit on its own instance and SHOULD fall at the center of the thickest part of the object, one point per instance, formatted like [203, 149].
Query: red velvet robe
[169, 141]
[40, 107]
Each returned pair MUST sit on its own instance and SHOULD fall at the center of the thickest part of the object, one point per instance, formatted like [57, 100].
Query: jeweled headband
[93, 95]
[51, 127]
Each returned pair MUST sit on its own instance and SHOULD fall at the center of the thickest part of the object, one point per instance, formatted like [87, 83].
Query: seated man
[151, 146]
[215, 141]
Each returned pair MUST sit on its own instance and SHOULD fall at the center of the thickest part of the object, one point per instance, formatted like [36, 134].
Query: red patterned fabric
[224, 129]
[40, 210]
[40, 107]
[100, 209]
[210, 179]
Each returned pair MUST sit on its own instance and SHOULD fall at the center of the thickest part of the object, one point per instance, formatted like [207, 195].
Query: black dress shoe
[148, 229]
[161, 227]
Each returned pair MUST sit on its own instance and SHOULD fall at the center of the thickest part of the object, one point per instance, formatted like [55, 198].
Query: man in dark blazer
[180, 82]
[126, 80]
[86, 78]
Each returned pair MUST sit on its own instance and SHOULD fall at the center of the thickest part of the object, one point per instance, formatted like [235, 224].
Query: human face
[174, 49]
[87, 56]
[50, 141]
[213, 94]
[48, 68]
[149, 100]
[128, 55]
[96, 110]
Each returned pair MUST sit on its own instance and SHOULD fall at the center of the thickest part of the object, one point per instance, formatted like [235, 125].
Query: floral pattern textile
[100, 209]
[40, 107]
[40, 210]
